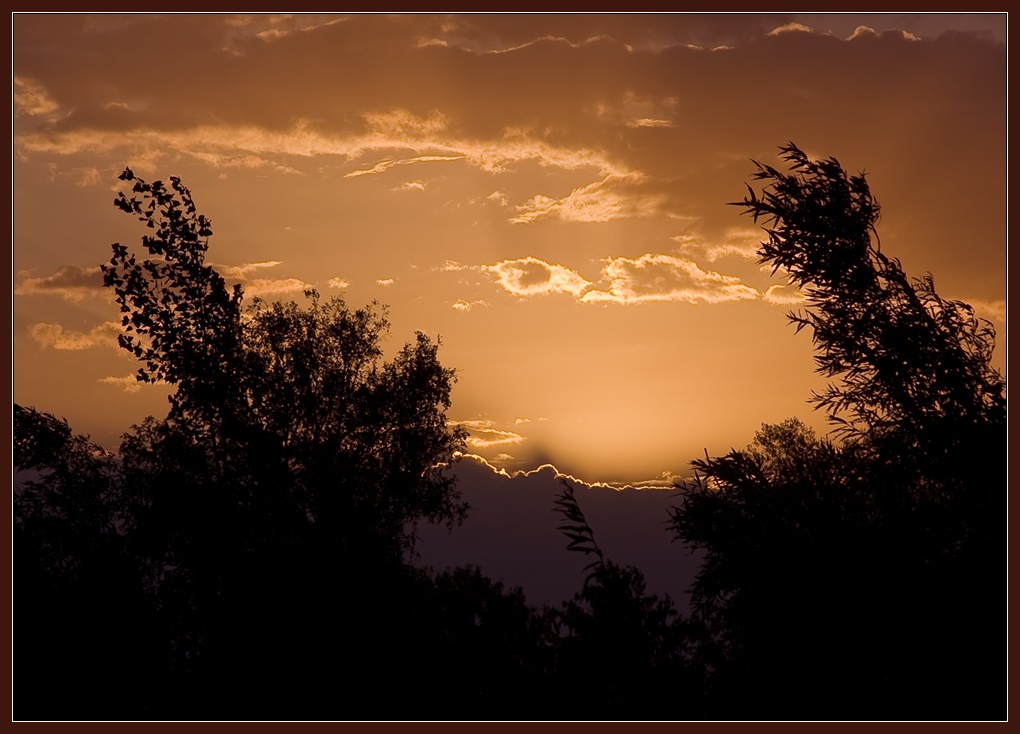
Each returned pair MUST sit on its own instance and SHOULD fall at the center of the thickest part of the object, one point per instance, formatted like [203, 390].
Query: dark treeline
[249, 556]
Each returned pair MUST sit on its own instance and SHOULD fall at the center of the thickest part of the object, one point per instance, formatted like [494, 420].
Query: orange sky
[547, 194]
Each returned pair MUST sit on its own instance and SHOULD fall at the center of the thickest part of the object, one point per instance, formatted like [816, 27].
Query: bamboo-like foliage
[582, 537]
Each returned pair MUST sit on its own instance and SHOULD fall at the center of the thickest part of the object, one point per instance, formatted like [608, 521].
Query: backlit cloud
[71, 282]
[666, 480]
[127, 383]
[613, 197]
[242, 271]
[791, 28]
[55, 336]
[383, 166]
[991, 310]
[261, 287]
[666, 278]
[529, 276]
[498, 198]
[484, 435]
[783, 295]
[465, 306]
[275, 286]
[32, 100]
[742, 243]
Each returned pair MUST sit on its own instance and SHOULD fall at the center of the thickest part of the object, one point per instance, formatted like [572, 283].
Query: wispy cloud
[991, 310]
[783, 295]
[411, 186]
[261, 287]
[71, 282]
[735, 242]
[55, 336]
[666, 278]
[613, 197]
[529, 276]
[427, 138]
[465, 306]
[32, 100]
[338, 283]
[484, 435]
[520, 421]
[275, 286]
[386, 165]
[242, 271]
[127, 383]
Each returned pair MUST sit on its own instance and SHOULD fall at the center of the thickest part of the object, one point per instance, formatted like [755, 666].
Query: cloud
[338, 283]
[241, 272]
[55, 336]
[32, 100]
[991, 310]
[465, 306]
[275, 286]
[233, 145]
[483, 434]
[742, 243]
[411, 186]
[664, 481]
[652, 278]
[385, 282]
[529, 276]
[638, 110]
[498, 198]
[862, 31]
[630, 280]
[519, 421]
[613, 197]
[71, 282]
[778, 296]
[383, 166]
[90, 176]
[128, 383]
[791, 28]
[260, 287]
[650, 122]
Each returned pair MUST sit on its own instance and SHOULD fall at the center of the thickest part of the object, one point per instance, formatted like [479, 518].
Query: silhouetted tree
[484, 650]
[620, 652]
[85, 640]
[867, 576]
[265, 522]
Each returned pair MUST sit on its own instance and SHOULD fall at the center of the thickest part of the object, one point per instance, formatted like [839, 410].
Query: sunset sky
[545, 193]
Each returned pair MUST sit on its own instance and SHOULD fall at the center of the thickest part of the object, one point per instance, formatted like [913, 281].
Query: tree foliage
[278, 499]
[866, 573]
[907, 360]
[274, 394]
[615, 644]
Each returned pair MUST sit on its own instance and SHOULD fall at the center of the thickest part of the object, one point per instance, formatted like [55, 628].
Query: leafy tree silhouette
[866, 575]
[77, 589]
[269, 516]
[620, 652]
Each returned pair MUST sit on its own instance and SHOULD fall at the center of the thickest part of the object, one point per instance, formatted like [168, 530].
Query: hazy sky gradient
[546, 193]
